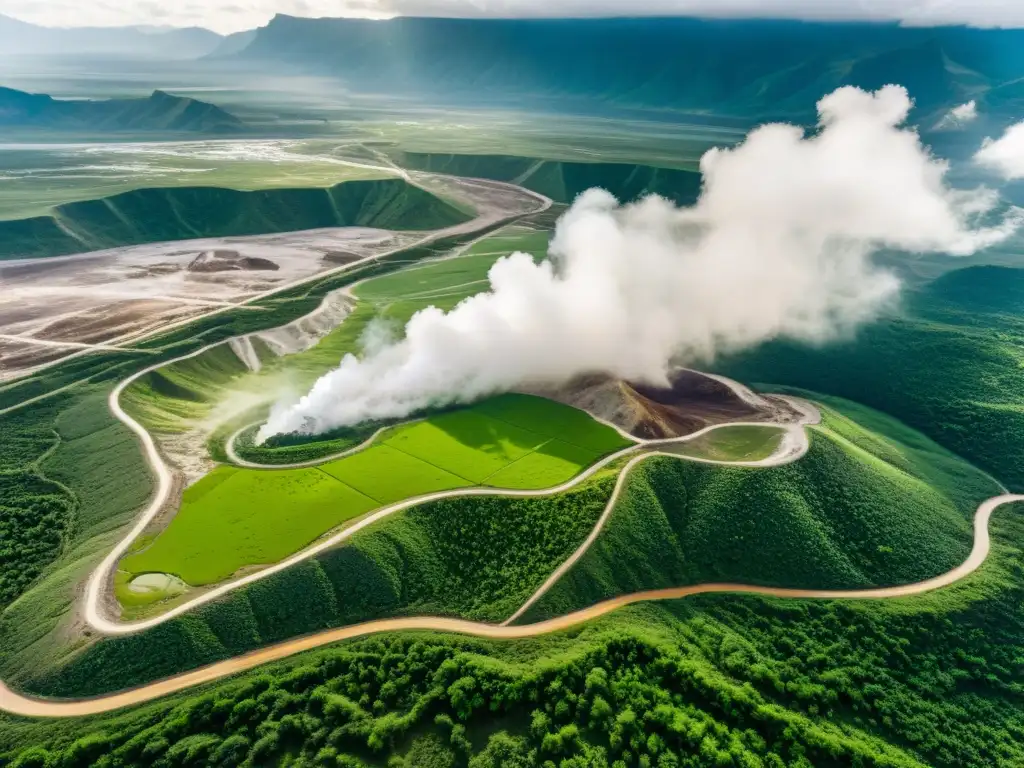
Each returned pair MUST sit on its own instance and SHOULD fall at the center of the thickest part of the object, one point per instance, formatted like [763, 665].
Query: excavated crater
[691, 402]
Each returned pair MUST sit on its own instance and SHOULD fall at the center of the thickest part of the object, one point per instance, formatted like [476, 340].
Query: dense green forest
[950, 365]
[35, 511]
[864, 508]
[713, 681]
[296, 448]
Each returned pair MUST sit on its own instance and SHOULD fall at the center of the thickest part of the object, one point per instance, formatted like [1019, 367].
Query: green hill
[562, 181]
[872, 504]
[182, 213]
[949, 365]
[475, 557]
[20, 38]
[159, 112]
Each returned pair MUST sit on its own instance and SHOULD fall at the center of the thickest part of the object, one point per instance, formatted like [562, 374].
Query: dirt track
[20, 705]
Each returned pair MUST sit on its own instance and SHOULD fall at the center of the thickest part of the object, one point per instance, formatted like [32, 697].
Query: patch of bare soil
[340, 258]
[15, 356]
[220, 260]
[691, 403]
[97, 324]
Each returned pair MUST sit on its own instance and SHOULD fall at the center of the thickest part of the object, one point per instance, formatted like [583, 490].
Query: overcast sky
[233, 15]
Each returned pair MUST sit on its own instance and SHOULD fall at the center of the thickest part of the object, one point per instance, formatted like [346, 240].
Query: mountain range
[159, 112]
[22, 38]
[746, 68]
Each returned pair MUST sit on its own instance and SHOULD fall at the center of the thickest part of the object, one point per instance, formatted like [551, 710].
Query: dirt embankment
[689, 404]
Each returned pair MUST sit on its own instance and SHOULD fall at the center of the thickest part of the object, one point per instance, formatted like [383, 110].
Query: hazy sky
[233, 15]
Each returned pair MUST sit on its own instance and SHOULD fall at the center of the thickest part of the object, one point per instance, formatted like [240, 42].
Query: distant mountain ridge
[748, 68]
[19, 38]
[159, 112]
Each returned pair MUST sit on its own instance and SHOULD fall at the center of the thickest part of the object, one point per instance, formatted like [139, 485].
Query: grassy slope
[952, 367]
[733, 444]
[99, 465]
[234, 518]
[473, 557]
[152, 215]
[872, 504]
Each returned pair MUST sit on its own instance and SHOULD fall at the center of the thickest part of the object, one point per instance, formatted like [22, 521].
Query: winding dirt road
[794, 445]
[101, 577]
[31, 707]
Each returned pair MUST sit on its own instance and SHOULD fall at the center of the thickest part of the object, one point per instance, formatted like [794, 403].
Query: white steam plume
[778, 245]
[1005, 154]
[959, 117]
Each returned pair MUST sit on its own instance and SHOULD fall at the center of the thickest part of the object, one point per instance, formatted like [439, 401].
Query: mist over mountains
[22, 38]
[160, 111]
[747, 68]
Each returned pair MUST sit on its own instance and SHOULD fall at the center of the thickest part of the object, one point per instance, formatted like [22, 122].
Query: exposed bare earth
[122, 295]
[691, 402]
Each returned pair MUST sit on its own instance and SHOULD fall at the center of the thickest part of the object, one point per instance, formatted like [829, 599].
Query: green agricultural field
[569, 425]
[387, 475]
[740, 443]
[445, 283]
[467, 442]
[551, 464]
[235, 518]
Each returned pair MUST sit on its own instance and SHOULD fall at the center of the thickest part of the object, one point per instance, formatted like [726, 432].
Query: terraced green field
[445, 283]
[234, 518]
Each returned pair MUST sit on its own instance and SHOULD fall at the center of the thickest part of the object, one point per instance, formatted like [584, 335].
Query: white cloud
[779, 245]
[233, 15]
[958, 117]
[1005, 154]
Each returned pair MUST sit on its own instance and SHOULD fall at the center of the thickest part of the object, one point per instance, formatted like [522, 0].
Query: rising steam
[779, 245]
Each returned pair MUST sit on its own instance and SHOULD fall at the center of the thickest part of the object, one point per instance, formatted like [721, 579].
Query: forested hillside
[749, 69]
[949, 364]
[182, 213]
